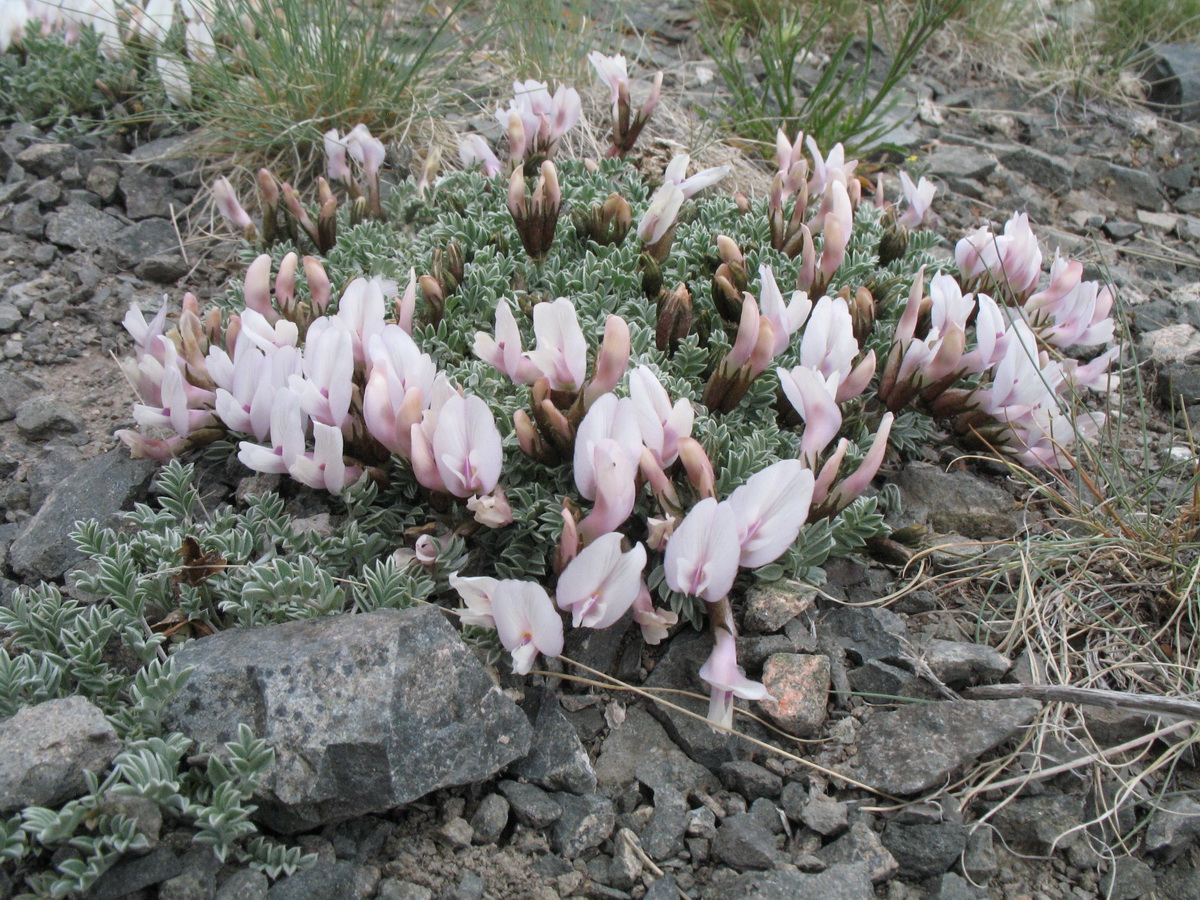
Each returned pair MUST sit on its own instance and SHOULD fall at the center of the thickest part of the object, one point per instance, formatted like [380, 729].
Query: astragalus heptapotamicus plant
[592, 393]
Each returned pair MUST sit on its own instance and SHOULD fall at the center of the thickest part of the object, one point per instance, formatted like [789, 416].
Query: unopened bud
[268, 192]
[742, 202]
[434, 298]
[327, 226]
[862, 313]
[674, 318]
[893, 244]
[318, 284]
[285, 283]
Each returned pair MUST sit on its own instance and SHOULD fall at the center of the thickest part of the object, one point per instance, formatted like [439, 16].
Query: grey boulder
[365, 712]
[45, 749]
[918, 746]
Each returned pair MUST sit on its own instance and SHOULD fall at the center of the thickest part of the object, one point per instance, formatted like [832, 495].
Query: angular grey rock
[750, 779]
[41, 418]
[742, 842]
[81, 227]
[792, 799]
[952, 162]
[10, 318]
[456, 833]
[844, 881]
[146, 196]
[639, 749]
[861, 845]
[878, 682]
[15, 390]
[45, 749]
[490, 819]
[197, 881]
[103, 181]
[162, 268]
[663, 889]
[352, 705]
[957, 662]
[952, 886]
[143, 239]
[824, 816]
[1128, 878]
[557, 761]
[585, 822]
[957, 503]
[868, 632]
[24, 218]
[915, 747]
[663, 837]
[98, 490]
[44, 160]
[924, 850]
[979, 862]
[530, 804]
[1130, 187]
[1043, 169]
[247, 884]
[133, 873]
[321, 882]
[1173, 827]
[1044, 823]
[395, 889]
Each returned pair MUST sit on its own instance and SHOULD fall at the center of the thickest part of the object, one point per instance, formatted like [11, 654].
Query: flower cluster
[654, 444]
[119, 26]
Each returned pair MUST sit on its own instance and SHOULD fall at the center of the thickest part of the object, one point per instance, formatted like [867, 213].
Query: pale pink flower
[833, 168]
[612, 72]
[854, 484]
[660, 423]
[676, 173]
[727, 680]
[466, 446]
[365, 150]
[702, 555]
[324, 467]
[661, 214]
[476, 592]
[287, 438]
[526, 622]
[473, 150]
[337, 164]
[615, 489]
[362, 308]
[770, 509]
[919, 198]
[325, 389]
[504, 351]
[1071, 311]
[145, 333]
[654, 621]
[611, 360]
[815, 399]
[491, 510]
[829, 348]
[1013, 260]
[608, 418]
[600, 584]
[228, 205]
[561, 352]
[175, 413]
[785, 317]
[256, 288]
